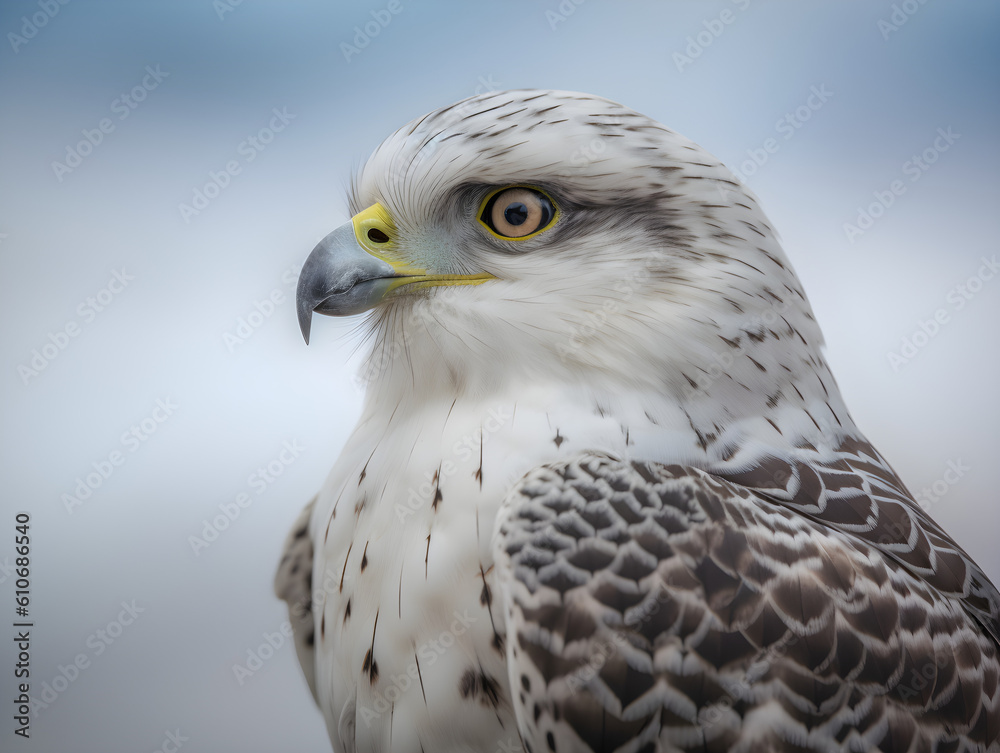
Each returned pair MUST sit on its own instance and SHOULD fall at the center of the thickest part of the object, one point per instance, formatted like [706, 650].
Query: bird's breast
[410, 638]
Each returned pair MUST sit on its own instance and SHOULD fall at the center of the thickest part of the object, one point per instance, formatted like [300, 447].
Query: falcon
[604, 493]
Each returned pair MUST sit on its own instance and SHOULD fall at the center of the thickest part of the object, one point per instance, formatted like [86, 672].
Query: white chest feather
[410, 637]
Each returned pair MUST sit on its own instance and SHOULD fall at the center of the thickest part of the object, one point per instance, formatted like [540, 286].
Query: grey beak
[340, 278]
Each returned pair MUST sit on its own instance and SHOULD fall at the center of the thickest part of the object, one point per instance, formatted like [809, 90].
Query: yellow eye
[517, 213]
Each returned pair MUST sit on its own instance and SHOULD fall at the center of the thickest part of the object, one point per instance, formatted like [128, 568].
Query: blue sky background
[162, 337]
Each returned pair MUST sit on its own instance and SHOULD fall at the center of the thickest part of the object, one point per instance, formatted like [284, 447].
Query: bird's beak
[340, 278]
[356, 266]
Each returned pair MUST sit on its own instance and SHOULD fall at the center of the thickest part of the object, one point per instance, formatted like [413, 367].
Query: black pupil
[516, 213]
[377, 236]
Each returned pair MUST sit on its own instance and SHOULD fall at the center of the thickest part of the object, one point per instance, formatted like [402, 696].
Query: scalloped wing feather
[655, 608]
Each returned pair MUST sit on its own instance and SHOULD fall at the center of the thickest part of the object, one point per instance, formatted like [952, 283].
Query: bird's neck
[649, 422]
[704, 393]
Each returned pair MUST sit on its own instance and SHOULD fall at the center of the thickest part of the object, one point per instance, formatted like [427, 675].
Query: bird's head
[553, 235]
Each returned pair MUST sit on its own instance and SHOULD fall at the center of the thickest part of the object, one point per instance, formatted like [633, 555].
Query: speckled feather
[641, 397]
[657, 607]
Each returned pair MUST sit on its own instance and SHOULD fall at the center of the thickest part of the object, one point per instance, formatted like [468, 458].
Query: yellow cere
[375, 230]
[377, 234]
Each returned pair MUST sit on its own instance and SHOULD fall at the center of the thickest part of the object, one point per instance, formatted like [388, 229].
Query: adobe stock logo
[901, 13]
[914, 168]
[219, 180]
[364, 36]
[122, 106]
[103, 468]
[263, 310]
[31, 26]
[86, 312]
[259, 481]
[713, 29]
[98, 642]
[957, 298]
[256, 658]
[787, 126]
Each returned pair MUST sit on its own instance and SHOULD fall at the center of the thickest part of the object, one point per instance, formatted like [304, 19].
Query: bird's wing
[654, 607]
[293, 584]
[856, 492]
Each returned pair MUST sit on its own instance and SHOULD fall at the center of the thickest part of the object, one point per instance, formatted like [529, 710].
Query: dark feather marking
[834, 414]
[420, 677]
[370, 665]
[438, 496]
[364, 471]
[417, 123]
[823, 385]
[730, 343]
[399, 595]
[745, 263]
[478, 475]
[812, 419]
[702, 441]
[333, 514]
[480, 686]
[344, 571]
[486, 600]
[509, 114]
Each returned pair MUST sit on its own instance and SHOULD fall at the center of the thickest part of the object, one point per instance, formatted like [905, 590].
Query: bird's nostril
[377, 236]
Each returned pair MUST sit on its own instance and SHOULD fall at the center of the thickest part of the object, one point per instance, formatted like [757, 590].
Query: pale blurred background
[221, 69]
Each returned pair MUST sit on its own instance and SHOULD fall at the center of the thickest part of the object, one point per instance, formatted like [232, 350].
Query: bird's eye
[517, 213]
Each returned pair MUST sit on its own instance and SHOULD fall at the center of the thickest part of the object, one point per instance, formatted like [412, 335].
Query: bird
[604, 493]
